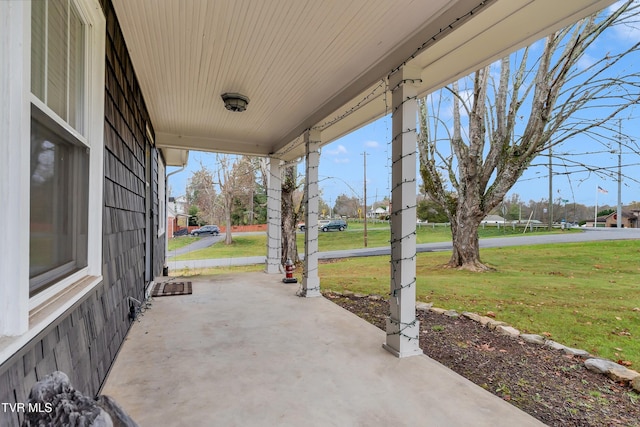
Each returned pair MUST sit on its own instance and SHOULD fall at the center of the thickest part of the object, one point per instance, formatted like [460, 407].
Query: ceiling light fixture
[235, 102]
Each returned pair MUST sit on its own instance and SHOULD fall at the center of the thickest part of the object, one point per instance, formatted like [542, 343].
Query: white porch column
[402, 325]
[310, 281]
[274, 222]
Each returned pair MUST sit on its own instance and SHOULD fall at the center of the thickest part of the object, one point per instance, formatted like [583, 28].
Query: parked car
[207, 229]
[336, 224]
[181, 232]
[321, 223]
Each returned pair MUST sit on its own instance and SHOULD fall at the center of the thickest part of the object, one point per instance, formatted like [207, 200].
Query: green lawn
[585, 295]
[180, 241]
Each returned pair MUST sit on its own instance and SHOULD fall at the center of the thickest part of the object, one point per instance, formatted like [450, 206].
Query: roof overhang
[309, 63]
[175, 156]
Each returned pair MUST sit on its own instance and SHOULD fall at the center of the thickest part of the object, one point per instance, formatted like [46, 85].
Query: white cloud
[372, 144]
[340, 149]
[585, 62]
[341, 160]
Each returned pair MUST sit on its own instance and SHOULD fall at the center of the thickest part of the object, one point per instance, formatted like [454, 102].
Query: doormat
[171, 288]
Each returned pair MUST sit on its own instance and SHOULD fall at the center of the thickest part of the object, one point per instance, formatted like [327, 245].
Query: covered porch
[282, 80]
[244, 350]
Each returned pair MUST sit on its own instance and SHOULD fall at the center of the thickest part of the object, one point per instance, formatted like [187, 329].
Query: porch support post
[310, 286]
[274, 215]
[402, 325]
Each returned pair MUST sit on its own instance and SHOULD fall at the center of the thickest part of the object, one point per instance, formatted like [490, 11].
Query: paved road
[201, 243]
[533, 239]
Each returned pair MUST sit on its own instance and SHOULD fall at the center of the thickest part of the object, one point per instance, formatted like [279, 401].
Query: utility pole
[365, 198]
[619, 213]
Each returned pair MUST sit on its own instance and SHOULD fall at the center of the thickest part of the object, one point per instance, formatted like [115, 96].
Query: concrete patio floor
[243, 350]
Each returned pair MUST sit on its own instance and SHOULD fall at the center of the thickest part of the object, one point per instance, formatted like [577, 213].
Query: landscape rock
[359, 295]
[568, 350]
[622, 374]
[611, 369]
[472, 316]
[375, 297]
[484, 320]
[576, 352]
[507, 330]
[451, 313]
[635, 383]
[533, 338]
[554, 345]
[63, 405]
[493, 324]
[438, 310]
[602, 366]
[423, 306]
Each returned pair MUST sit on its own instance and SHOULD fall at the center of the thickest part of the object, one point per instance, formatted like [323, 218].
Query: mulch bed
[553, 387]
[171, 288]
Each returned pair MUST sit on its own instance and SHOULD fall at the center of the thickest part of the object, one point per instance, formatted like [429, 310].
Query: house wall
[158, 242]
[628, 221]
[84, 341]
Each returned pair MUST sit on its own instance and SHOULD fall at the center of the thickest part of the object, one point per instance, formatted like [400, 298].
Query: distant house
[493, 219]
[179, 204]
[629, 219]
[175, 220]
[601, 222]
[177, 216]
[379, 213]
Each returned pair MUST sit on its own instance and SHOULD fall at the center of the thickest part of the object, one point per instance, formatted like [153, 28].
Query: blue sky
[341, 162]
[341, 169]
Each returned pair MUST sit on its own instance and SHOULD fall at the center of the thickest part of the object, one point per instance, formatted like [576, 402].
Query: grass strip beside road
[180, 242]
[245, 245]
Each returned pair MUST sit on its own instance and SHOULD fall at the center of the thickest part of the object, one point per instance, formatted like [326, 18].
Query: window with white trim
[60, 146]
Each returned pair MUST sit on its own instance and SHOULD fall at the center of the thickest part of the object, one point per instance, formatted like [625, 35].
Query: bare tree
[291, 213]
[202, 194]
[346, 206]
[541, 103]
[244, 177]
[235, 177]
[261, 164]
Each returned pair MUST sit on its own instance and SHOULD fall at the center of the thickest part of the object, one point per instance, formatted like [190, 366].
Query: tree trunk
[228, 239]
[289, 217]
[466, 249]
[464, 233]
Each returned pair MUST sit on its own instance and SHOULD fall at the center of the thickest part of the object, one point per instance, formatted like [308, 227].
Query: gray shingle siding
[85, 340]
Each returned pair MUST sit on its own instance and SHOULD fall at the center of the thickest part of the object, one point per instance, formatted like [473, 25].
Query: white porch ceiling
[305, 63]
